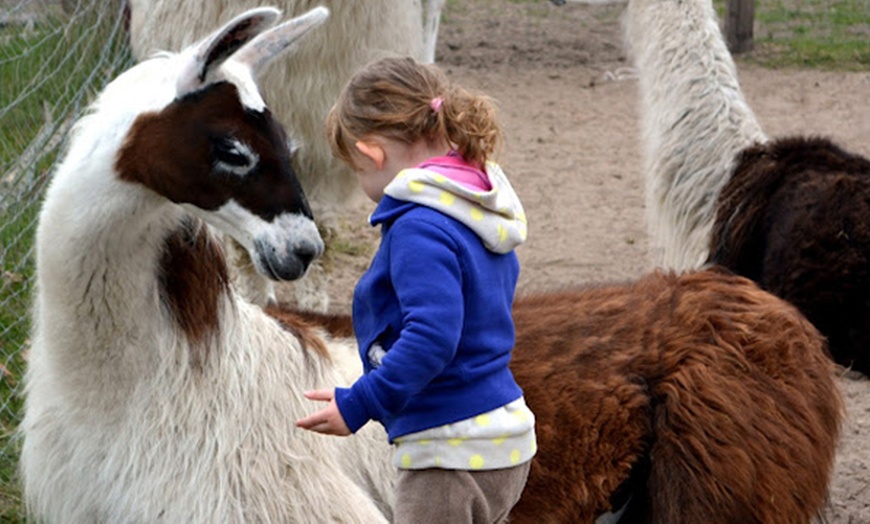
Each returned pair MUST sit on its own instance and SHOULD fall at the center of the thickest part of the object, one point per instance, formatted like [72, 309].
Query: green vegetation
[16, 233]
[352, 247]
[49, 71]
[815, 34]
[11, 504]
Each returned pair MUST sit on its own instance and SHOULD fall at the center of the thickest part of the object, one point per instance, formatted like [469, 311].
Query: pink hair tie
[435, 104]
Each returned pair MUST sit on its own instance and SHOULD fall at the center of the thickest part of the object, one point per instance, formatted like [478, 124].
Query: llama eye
[234, 157]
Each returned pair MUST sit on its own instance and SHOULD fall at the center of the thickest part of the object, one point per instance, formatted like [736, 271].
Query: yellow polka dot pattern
[495, 215]
[447, 199]
[501, 438]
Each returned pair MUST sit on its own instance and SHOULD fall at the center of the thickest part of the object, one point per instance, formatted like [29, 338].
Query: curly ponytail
[470, 123]
[405, 100]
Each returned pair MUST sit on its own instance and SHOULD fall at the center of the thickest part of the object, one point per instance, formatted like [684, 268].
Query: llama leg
[431, 21]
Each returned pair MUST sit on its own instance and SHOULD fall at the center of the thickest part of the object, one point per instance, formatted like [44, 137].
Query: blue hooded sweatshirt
[432, 314]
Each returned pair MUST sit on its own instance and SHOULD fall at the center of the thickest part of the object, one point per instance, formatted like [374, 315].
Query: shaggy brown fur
[193, 275]
[307, 326]
[701, 397]
[795, 217]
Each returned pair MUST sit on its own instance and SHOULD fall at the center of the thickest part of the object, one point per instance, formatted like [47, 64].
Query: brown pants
[447, 496]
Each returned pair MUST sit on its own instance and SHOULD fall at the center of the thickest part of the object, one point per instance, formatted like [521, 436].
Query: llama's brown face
[230, 165]
[206, 149]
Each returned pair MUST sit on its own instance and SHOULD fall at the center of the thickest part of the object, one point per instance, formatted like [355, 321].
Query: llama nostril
[307, 256]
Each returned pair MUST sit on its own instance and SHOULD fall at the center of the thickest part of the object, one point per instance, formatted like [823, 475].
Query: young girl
[432, 314]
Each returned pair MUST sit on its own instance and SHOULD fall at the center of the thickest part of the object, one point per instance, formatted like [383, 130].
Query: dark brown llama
[696, 398]
[791, 216]
[795, 217]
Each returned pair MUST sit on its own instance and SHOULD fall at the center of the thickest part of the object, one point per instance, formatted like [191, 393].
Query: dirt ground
[573, 153]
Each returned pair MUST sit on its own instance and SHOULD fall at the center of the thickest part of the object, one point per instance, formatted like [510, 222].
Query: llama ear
[213, 50]
[260, 51]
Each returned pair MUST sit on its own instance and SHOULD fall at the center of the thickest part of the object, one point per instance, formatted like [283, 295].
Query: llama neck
[695, 120]
[194, 283]
[117, 268]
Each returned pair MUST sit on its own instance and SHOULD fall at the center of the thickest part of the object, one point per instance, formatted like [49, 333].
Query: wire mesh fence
[53, 57]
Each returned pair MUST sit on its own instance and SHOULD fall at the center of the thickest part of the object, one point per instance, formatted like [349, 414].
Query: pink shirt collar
[457, 169]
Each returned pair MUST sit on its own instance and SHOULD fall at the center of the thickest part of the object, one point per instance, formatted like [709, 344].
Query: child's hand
[328, 420]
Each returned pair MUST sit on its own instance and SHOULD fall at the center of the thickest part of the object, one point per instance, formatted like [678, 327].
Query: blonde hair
[405, 100]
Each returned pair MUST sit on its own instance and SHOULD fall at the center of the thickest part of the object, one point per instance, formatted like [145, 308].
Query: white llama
[694, 122]
[154, 393]
[300, 92]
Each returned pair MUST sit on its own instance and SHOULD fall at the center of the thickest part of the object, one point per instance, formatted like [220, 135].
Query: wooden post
[739, 17]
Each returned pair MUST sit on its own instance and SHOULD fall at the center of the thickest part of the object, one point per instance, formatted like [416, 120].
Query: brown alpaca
[795, 217]
[696, 398]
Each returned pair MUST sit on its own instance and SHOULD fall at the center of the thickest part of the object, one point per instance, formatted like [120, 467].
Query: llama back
[687, 398]
[792, 218]
[591, 415]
